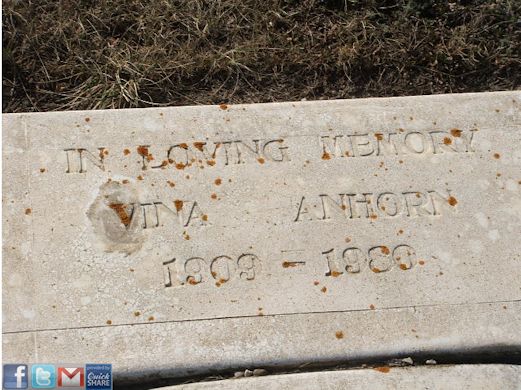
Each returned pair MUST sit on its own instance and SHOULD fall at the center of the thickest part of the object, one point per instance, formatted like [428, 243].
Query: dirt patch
[95, 55]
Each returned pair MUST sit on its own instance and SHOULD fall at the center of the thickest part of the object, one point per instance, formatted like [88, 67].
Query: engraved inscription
[220, 269]
[373, 205]
[378, 259]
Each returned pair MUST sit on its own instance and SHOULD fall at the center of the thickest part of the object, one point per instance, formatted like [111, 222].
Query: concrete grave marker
[203, 235]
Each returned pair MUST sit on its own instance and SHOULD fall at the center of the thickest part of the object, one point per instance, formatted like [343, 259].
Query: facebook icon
[15, 376]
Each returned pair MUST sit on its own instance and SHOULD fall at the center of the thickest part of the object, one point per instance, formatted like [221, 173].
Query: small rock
[248, 373]
[260, 372]
[431, 361]
[238, 374]
[408, 361]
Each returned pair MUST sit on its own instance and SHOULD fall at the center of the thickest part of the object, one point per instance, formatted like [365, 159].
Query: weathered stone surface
[471, 377]
[196, 238]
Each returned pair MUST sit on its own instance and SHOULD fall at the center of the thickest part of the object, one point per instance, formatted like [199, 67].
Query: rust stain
[323, 289]
[379, 136]
[213, 196]
[204, 217]
[125, 181]
[447, 141]
[42, 170]
[199, 145]
[383, 369]
[151, 318]
[218, 182]
[371, 306]
[119, 208]
[326, 156]
[403, 266]
[223, 106]
[455, 133]
[287, 264]
[335, 274]
[192, 281]
[497, 156]
[178, 204]
[261, 160]
[421, 262]
[126, 152]
[339, 334]
[385, 250]
[140, 177]
[452, 201]
[170, 183]
[376, 270]
[180, 166]
[137, 313]
[183, 145]
[211, 162]
[143, 151]
[109, 322]
[316, 282]
[87, 119]
[28, 211]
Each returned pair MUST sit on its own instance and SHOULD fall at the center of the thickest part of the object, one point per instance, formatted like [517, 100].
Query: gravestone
[181, 241]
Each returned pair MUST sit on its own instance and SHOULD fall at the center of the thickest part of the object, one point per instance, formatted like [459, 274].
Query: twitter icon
[43, 376]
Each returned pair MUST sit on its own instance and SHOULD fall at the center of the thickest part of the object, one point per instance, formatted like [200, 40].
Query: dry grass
[86, 54]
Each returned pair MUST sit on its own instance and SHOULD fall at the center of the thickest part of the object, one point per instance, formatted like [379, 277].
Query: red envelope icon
[71, 376]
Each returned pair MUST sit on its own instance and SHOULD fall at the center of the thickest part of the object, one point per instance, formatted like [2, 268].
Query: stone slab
[471, 377]
[182, 223]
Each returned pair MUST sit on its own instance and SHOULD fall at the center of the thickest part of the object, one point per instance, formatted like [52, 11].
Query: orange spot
[326, 156]
[170, 183]
[223, 106]
[385, 250]
[497, 156]
[287, 264]
[204, 217]
[119, 208]
[452, 201]
[109, 322]
[87, 119]
[447, 141]
[126, 152]
[339, 334]
[183, 145]
[137, 314]
[371, 306]
[323, 289]
[140, 177]
[403, 266]
[218, 182]
[421, 262]
[211, 162]
[178, 204]
[376, 270]
[456, 132]
[42, 170]
[213, 196]
[401, 161]
[151, 318]
[260, 160]
[347, 239]
[192, 281]
[28, 211]
[125, 181]
[316, 282]
[373, 216]
[199, 145]
[400, 231]
[383, 369]
[180, 166]
[143, 151]
[335, 274]
[379, 136]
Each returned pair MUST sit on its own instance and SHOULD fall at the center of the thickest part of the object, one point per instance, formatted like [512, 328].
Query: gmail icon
[71, 377]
